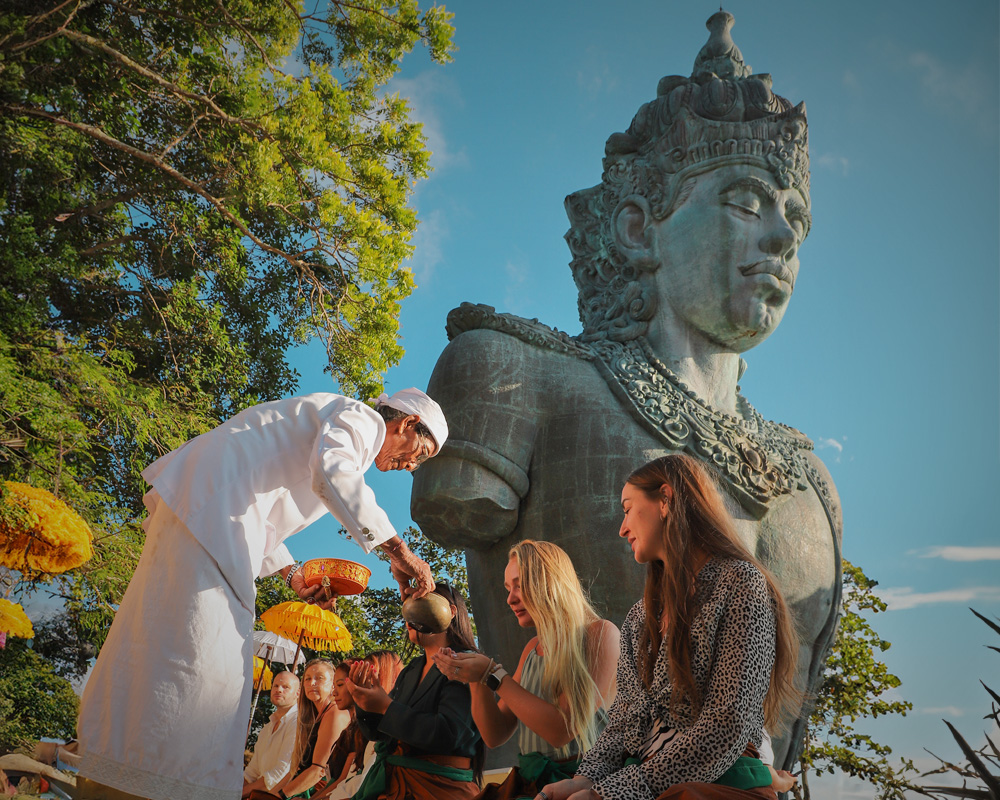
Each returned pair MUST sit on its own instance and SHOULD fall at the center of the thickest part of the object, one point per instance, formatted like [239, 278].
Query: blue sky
[888, 355]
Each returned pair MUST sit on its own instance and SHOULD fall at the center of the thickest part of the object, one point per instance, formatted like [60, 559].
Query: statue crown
[722, 114]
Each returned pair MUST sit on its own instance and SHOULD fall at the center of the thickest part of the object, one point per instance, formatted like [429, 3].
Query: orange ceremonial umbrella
[307, 625]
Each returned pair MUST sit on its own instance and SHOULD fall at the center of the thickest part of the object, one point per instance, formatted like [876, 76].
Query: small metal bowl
[428, 614]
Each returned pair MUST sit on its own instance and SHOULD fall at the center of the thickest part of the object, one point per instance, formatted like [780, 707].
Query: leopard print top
[732, 652]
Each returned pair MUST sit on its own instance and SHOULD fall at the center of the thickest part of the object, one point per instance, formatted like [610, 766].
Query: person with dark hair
[556, 700]
[427, 745]
[708, 654]
[353, 754]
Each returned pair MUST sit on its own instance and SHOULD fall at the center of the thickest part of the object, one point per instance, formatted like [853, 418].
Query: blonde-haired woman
[314, 737]
[556, 699]
[708, 654]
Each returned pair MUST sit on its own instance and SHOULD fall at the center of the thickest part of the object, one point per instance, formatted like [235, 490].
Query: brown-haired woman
[427, 746]
[708, 654]
[353, 754]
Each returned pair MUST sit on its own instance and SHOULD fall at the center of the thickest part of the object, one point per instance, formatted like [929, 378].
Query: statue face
[727, 255]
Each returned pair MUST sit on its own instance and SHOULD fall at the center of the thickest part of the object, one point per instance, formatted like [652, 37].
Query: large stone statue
[685, 256]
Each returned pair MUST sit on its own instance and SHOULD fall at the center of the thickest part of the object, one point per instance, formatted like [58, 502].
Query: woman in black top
[427, 744]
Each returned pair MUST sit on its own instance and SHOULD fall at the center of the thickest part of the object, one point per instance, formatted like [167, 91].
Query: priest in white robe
[165, 709]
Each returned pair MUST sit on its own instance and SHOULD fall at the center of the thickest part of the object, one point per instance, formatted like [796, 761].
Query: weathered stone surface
[684, 256]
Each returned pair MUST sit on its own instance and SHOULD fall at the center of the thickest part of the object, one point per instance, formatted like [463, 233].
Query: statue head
[720, 137]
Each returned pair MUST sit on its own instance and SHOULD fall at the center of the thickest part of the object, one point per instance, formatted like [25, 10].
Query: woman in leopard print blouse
[708, 654]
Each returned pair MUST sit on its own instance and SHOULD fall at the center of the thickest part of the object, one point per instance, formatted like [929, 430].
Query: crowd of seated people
[676, 706]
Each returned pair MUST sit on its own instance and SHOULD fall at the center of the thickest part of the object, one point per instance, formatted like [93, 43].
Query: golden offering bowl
[338, 575]
[428, 614]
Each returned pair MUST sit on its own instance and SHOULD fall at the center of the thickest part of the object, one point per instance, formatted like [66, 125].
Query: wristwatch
[493, 679]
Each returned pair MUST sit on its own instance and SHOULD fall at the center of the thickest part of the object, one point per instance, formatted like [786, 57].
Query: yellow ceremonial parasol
[307, 625]
[262, 678]
[262, 675]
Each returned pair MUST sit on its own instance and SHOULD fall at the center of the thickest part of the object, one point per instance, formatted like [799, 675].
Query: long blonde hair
[308, 714]
[562, 613]
[697, 522]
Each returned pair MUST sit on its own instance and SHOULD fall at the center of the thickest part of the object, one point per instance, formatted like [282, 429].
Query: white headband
[414, 401]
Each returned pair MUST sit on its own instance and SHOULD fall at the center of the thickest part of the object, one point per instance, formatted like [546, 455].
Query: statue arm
[470, 494]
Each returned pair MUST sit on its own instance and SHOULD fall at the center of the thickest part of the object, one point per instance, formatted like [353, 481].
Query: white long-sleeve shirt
[244, 487]
[272, 755]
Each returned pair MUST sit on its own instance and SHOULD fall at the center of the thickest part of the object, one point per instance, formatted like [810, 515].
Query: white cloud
[903, 597]
[425, 93]
[952, 89]
[832, 444]
[942, 711]
[596, 76]
[833, 162]
[428, 251]
[956, 553]
[517, 271]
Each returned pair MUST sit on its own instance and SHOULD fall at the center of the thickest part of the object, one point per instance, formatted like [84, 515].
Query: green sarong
[376, 780]
[746, 773]
[541, 770]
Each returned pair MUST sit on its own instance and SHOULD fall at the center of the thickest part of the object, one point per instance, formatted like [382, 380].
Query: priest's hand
[312, 594]
[411, 573]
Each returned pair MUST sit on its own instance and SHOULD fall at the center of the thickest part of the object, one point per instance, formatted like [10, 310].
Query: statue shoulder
[477, 317]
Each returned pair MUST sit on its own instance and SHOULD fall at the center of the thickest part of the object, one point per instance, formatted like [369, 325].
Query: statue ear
[630, 222]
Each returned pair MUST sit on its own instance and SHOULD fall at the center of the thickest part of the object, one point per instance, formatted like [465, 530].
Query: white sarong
[165, 711]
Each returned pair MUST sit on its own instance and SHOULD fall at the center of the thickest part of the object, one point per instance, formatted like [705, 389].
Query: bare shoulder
[532, 643]
[604, 638]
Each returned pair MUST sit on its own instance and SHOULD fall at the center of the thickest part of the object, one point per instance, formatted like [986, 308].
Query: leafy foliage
[853, 688]
[981, 766]
[187, 189]
[34, 701]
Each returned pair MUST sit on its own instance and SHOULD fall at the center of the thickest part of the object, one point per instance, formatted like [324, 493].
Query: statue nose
[779, 240]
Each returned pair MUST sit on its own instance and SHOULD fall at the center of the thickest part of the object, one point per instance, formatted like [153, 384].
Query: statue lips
[774, 267]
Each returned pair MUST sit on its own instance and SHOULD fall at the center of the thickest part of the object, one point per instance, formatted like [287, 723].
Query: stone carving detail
[469, 316]
[758, 460]
[721, 115]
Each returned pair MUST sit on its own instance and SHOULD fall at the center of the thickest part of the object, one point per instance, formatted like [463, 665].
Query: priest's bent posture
[165, 710]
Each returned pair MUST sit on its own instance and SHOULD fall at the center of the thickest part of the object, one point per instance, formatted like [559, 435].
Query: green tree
[853, 689]
[188, 189]
[34, 701]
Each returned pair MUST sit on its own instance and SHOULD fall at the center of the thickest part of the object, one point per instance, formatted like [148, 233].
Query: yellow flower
[50, 536]
[14, 621]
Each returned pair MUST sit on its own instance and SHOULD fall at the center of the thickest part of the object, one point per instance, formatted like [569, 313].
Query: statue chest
[579, 463]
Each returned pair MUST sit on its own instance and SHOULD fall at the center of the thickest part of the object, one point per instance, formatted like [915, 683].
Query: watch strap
[494, 679]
